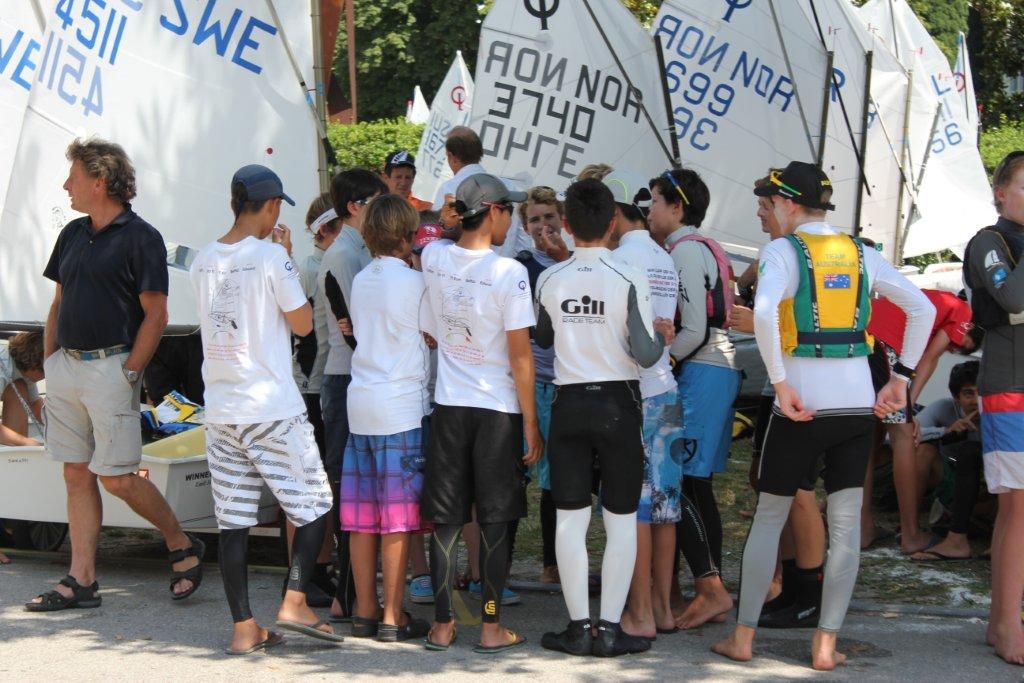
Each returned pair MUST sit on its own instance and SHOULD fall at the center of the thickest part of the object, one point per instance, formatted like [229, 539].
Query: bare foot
[1009, 644]
[704, 608]
[824, 656]
[442, 634]
[913, 544]
[827, 661]
[947, 547]
[735, 647]
[664, 618]
[247, 634]
[4, 559]
[867, 536]
[294, 608]
[497, 636]
[643, 626]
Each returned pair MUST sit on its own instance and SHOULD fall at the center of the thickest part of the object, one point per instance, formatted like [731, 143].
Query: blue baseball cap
[260, 183]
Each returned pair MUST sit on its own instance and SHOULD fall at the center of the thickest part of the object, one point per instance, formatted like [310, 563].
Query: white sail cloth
[451, 106]
[192, 91]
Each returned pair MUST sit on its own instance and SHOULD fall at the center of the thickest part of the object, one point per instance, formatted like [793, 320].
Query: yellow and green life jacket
[828, 316]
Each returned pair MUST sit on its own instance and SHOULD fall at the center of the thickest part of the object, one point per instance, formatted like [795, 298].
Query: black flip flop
[271, 640]
[481, 649]
[311, 630]
[665, 631]
[82, 597]
[438, 647]
[936, 557]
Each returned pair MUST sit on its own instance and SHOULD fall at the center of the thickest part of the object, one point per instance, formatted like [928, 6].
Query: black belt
[817, 338]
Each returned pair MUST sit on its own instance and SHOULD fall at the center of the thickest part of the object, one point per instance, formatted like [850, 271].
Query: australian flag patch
[836, 281]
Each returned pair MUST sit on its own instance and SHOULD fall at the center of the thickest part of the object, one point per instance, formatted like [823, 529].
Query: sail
[451, 107]
[965, 83]
[193, 91]
[747, 90]
[841, 34]
[551, 95]
[20, 33]
[417, 111]
[955, 198]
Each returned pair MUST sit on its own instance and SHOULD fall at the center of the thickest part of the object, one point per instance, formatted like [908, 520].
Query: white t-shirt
[638, 250]
[243, 291]
[391, 363]
[831, 383]
[598, 314]
[475, 298]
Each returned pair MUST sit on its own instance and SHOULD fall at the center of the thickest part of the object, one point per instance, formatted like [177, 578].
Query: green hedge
[368, 143]
[997, 142]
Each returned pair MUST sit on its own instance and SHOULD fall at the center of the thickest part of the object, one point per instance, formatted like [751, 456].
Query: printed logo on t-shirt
[456, 317]
[583, 310]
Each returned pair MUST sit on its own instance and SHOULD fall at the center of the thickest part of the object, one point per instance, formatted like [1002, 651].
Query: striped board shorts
[1002, 441]
[381, 483]
[282, 454]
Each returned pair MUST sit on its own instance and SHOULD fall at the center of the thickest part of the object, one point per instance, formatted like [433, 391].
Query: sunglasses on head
[775, 178]
[504, 206]
[675, 183]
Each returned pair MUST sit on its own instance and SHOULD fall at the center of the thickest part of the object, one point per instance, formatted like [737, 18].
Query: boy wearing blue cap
[250, 301]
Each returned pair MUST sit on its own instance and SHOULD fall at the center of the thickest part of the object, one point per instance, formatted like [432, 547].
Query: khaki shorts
[92, 414]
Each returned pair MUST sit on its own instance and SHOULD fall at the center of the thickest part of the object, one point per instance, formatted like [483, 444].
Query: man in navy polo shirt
[108, 313]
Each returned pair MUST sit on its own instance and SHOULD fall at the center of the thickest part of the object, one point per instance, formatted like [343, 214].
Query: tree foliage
[367, 143]
[404, 43]
[996, 44]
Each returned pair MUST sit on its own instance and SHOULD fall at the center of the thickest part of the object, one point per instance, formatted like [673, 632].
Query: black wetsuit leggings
[967, 468]
[699, 532]
[234, 552]
[548, 517]
[494, 566]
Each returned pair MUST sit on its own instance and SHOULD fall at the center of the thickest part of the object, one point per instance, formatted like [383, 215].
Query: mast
[677, 157]
[792, 78]
[321, 76]
[629, 82]
[869, 58]
[920, 179]
[829, 75]
[321, 129]
[897, 248]
[350, 30]
[40, 17]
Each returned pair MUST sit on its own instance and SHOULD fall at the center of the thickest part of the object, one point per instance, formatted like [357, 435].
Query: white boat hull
[32, 488]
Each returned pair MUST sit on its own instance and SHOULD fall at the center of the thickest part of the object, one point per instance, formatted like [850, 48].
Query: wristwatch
[131, 375]
[904, 371]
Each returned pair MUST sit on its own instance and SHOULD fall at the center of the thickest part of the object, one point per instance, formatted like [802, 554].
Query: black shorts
[600, 422]
[792, 451]
[474, 456]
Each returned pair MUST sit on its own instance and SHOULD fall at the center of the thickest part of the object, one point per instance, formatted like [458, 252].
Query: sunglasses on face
[675, 183]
